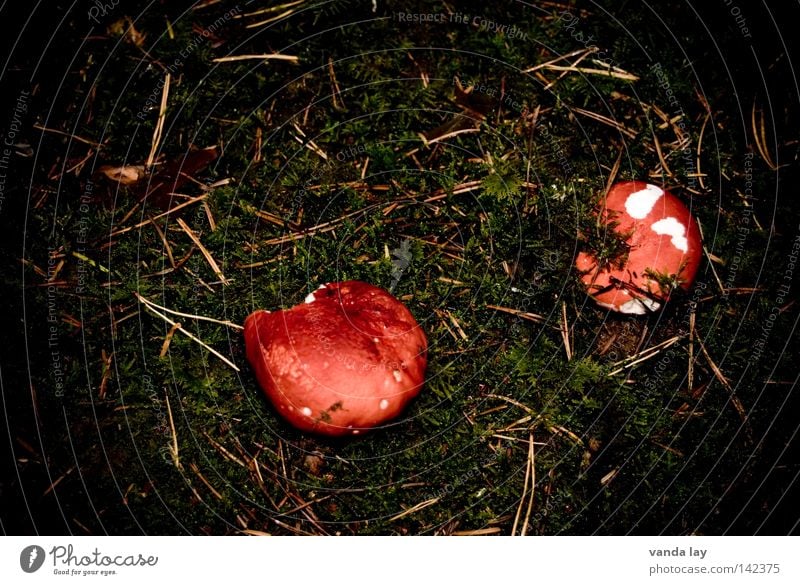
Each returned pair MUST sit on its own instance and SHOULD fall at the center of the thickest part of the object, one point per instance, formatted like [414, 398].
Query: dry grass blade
[305, 505]
[162, 114]
[224, 452]
[207, 483]
[760, 138]
[319, 228]
[54, 484]
[737, 404]
[608, 477]
[700, 174]
[517, 313]
[187, 334]
[212, 223]
[582, 52]
[515, 403]
[280, 16]
[457, 190]
[478, 532]
[457, 325]
[260, 57]
[415, 508]
[565, 331]
[333, 224]
[664, 166]
[690, 370]
[173, 447]
[159, 216]
[336, 92]
[711, 263]
[644, 355]
[164, 240]
[168, 339]
[605, 120]
[592, 71]
[68, 135]
[612, 176]
[250, 532]
[269, 9]
[527, 492]
[206, 254]
[559, 430]
[309, 144]
[447, 135]
[190, 315]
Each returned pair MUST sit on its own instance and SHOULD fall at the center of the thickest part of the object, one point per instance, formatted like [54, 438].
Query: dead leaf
[124, 27]
[314, 464]
[125, 175]
[173, 175]
[475, 106]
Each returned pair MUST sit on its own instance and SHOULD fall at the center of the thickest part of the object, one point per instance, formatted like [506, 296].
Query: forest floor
[219, 158]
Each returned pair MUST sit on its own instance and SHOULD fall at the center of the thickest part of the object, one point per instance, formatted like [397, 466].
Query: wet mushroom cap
[348, 359]
[663, 242]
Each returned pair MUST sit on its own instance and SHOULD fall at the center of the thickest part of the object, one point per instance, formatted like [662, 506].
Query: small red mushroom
[664, 249]
[348, 359]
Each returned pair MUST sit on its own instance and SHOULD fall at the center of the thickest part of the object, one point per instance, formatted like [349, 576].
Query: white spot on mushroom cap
[306, 411]
[397, 375]
[356, 431]
[384, 404]
[310, 298]
[669, 226]
[640, 203]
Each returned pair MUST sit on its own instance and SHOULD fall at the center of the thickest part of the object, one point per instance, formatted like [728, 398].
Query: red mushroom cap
[348, 359]
[663, 240]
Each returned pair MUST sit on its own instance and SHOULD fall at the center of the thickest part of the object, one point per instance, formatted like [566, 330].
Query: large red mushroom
[663, 249]
[348, 359]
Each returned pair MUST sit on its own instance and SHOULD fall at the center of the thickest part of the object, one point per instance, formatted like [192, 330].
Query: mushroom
[346, 360]
[663, 249]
